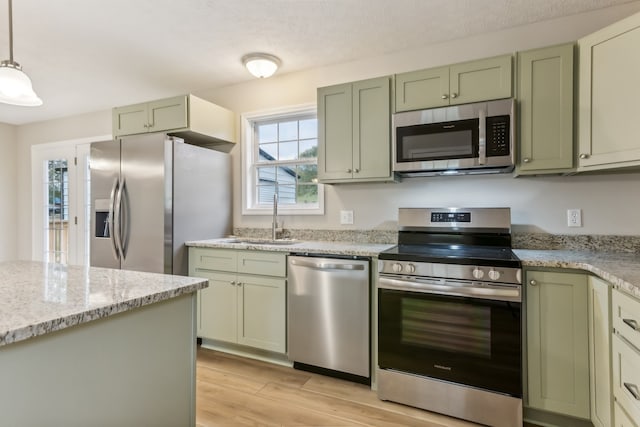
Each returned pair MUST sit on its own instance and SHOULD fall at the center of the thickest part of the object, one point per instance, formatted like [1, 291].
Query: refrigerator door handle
[118, 221]
[112, 236]
[124, 236]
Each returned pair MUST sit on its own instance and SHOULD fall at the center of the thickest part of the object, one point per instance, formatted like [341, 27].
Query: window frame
[249, 160]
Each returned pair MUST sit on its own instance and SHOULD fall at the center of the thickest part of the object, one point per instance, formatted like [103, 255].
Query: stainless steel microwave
[462, 139]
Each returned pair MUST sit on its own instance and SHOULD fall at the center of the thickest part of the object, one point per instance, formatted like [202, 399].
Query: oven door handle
[487, 291]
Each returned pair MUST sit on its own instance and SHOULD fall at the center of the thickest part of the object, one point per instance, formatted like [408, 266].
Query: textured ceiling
[89, 55]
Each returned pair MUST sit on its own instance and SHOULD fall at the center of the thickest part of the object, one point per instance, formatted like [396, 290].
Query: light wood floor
[234, 391]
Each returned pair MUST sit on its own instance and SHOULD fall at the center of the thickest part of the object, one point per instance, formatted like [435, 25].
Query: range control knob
[494, 274]
[477, 273]
[410, 268]
[397, 267]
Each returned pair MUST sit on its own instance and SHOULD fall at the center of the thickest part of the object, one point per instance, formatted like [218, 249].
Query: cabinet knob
[348, 170]
[533, 283]
[145, 125]
[454, 95]
[233, 283]
[445, 96]
[526, 160]
[356, 170]
[584, 156]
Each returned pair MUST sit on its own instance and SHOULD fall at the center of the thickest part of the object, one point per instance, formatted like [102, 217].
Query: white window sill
[282, 211]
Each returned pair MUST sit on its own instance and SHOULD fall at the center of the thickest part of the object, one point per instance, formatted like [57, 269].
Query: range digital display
[450, 216]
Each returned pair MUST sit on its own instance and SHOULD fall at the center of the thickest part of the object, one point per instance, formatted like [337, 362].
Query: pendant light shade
[261, 65]
[15, 85]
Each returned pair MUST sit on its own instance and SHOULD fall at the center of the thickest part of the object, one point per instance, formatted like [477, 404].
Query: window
[280, 151]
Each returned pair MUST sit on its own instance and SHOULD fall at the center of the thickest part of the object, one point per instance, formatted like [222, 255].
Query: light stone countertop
[620, 269]
[298, 246]
[38, 298]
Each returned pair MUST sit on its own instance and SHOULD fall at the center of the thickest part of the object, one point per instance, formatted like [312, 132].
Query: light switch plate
[346, 217]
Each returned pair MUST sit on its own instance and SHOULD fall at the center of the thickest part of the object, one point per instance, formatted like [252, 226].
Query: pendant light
[261, 65]
[15, 85]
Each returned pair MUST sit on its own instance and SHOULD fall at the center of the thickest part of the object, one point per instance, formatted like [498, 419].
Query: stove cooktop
[496, 256]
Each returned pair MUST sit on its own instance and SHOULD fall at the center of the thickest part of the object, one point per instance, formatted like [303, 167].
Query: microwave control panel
[498, 140]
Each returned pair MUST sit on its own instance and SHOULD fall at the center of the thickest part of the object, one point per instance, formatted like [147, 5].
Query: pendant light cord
[10, 32]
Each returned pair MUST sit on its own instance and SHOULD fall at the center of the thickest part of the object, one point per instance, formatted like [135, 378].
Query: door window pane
[56, 187]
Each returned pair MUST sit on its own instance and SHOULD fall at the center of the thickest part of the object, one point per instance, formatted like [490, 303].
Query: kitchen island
[86, 346]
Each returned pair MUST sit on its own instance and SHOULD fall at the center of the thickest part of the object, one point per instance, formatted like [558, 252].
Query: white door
[60, 202]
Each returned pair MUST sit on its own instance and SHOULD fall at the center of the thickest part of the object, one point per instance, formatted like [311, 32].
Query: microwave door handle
[482, 137]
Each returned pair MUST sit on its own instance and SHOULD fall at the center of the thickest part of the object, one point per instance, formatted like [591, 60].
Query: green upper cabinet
[609, 91]
[545, 100]
[558, 343]
[186, 116]
[473, 81]
[354, 131]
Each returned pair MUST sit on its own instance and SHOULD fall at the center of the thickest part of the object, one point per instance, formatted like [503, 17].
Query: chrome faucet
[274, 224]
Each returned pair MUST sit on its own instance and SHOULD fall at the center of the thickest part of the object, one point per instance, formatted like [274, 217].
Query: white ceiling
[90, 55]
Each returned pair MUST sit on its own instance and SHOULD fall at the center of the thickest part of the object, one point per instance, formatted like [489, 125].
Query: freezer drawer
[328, 314]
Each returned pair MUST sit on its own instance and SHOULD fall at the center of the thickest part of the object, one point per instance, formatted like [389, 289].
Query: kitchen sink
[257, 241]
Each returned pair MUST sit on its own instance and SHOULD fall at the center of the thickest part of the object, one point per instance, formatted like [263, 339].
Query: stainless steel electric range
[449, 315]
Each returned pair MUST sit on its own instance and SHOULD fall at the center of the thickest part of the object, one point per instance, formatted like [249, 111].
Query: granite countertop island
[93, 346]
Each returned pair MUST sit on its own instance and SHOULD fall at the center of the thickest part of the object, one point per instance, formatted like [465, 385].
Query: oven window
[446, 326]
[439, 141]
[469, 341]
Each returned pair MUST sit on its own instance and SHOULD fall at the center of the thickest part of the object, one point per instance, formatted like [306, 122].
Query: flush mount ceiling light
[15, 85]
[261, 65]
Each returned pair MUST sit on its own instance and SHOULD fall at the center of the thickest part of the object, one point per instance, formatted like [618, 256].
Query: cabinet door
[545, 99]
[622, 419]
[481, 80]
[262, 312]
[168, 114]
[217, 308]
[335, 133]
[130, 120]
[609, 93]
[422, 89]
[371, 129]
[557, 343]
[600, 352]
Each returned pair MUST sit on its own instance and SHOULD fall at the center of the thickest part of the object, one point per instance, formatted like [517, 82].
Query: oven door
[462, 336]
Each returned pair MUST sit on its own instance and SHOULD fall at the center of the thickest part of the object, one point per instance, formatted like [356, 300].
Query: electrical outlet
[346, 217]
[574, 217]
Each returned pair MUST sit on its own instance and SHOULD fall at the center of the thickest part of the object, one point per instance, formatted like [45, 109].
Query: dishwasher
[328, 316]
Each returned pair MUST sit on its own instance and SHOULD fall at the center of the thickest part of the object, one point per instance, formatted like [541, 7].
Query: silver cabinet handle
[631, 323]
[533, 283]
[348, 170]
[356, 170]
[445, 96]
[454, 95]
[633, 389]
[233, 283]
[584, 156]
[526, 160]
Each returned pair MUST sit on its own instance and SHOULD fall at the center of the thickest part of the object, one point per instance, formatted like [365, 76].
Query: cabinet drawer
[626, 317]
[214, 259]
[626, 377]
[621, 418]
[262, 263]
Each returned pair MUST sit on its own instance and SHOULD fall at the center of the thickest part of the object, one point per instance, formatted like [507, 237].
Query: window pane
[268, 151]
[308, 148]
[265, 193]
[266, 175]
[286, 175]
[308, 128]
[288, 150]
[307, 194]
[267, 132]
[288, 131]
[286, 194]
[307, 173]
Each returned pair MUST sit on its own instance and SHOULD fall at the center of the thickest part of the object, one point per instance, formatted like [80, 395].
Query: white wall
[537, 203]
[9, 191]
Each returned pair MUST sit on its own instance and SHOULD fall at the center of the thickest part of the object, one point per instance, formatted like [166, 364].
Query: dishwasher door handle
[326, 265]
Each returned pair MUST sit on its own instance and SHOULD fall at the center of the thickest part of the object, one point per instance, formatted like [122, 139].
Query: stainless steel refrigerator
[151, 193]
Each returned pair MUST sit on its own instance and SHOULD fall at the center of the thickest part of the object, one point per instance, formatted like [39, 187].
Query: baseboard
[248, 352]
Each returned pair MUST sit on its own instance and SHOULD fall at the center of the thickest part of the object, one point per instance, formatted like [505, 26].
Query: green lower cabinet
[557, 343]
